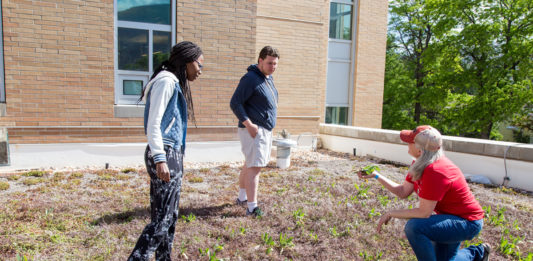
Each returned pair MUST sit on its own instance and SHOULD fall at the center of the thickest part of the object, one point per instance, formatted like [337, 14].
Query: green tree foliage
[470, 63]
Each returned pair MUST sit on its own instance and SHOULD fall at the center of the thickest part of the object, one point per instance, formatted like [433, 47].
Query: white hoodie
[162, 90]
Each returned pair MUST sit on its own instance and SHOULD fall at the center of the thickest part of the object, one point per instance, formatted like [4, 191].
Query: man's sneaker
[256, 212]
[241, 203]
[486, 251]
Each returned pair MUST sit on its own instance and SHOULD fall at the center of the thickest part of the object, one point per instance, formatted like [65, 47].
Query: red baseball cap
[409, 135]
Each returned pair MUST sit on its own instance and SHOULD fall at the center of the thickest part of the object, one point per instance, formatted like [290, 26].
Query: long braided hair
[181, 54]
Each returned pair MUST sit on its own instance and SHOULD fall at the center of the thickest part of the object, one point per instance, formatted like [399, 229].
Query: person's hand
[384, 220]
[252, 129]
[162, 171]
[362, 175]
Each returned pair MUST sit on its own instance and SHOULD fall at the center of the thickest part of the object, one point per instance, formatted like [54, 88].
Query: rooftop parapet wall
[499, 149]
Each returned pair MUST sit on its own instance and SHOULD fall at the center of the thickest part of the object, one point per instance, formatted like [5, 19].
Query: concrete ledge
[500, 149]
[129, 111]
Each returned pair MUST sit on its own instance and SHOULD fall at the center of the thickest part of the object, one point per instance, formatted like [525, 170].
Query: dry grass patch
[315, 210]
[4, 185]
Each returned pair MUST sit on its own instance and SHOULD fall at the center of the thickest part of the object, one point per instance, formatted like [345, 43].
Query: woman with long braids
[168, 106]
[442, 189]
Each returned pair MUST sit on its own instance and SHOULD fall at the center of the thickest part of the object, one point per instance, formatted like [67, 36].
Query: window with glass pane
[161, 47]
[337, 115]
[147, 11]
[132, 87]
[340, 23]
[132, 49]
[145, 34]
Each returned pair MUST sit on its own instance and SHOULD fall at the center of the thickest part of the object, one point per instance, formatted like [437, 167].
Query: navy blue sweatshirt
[255, 100]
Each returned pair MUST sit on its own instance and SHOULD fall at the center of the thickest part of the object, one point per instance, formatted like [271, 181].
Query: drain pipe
[506, 178]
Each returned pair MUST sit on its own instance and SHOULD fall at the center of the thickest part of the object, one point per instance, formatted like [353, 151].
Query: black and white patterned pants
[164, 203]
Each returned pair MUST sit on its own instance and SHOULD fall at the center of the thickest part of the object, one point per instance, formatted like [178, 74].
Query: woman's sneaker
[241, 203]
[256, 212]
[486, 251]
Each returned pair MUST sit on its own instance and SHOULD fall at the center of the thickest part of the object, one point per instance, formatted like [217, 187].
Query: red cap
[409, 135]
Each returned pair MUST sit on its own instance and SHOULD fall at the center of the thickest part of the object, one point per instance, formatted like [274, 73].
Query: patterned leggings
[164, 203]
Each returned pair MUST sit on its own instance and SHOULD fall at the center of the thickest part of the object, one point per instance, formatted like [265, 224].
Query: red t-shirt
[444, 182]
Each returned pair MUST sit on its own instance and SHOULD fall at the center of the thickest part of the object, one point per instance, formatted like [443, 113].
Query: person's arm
[160, 96]
[424, 210]
[402, 191]
[243, 92]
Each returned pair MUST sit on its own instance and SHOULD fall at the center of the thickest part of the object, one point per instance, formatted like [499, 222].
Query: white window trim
[121, 75]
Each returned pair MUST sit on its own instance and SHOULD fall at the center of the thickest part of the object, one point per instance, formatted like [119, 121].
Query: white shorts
[256, 150]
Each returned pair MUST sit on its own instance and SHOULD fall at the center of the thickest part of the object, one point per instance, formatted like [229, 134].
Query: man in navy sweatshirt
[255, 103]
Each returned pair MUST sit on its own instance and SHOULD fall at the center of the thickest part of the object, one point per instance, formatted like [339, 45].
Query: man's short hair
[268, 51]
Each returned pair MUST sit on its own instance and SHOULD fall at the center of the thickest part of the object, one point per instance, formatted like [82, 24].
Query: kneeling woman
[442, 189]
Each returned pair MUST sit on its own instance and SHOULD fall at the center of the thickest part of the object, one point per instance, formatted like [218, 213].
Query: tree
[469, 63]
[491, 51]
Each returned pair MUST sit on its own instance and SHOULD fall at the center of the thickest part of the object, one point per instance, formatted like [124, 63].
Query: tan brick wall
[299, 30]
[225, 30]
[58, 63]
[370, 63]
[59, 66]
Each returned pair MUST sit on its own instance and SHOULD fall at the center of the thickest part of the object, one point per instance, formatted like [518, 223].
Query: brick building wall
[59, 66]
[370, 63]
[299, 30]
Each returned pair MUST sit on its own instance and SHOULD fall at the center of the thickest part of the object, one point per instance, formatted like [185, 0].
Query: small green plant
[496, 219]
[35, 173]
[268, 241]
[369, 257]
[362, 191]
[299, 216]
[373, 213]
[383, 200]
[190, 218]
[196, 180]
[284, 242]
[313, 236]
[212, 254]
[509, 246]
[21, 258]
[369, 169]
[4, 185]
[334, 232]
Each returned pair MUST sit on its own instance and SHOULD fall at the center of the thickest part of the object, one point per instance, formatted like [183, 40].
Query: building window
[340, 22]
[337, 115]
[341, 51]
[145, 32]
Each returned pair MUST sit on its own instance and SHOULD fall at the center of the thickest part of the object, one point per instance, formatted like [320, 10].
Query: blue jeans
[439, 237]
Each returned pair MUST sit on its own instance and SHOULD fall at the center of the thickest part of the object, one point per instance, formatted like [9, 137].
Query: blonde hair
[429, 142]
[427, 157]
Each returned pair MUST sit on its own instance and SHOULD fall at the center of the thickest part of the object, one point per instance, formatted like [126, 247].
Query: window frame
[353, 49]
[120, 75]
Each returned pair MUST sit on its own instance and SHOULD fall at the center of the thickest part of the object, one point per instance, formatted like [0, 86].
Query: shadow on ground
[125, 217]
